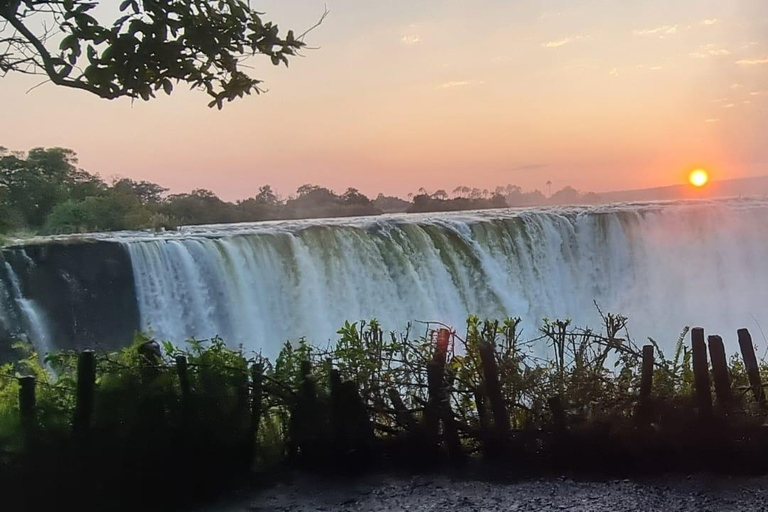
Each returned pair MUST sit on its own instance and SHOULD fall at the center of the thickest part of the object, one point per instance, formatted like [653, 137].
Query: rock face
[82, 294]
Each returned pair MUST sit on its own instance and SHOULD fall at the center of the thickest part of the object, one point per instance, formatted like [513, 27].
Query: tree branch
[48, 66]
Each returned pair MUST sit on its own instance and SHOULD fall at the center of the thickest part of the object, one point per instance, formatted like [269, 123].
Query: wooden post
[257, 392]
[86, 383]
[501, 420]
[750, 364]
[482, 410]
[720, 371]
[450, 430]
[303, 427]
[27, 402]
[432, 411]
[646, 385]
[558, 413]
[701, 372]
[183, 373]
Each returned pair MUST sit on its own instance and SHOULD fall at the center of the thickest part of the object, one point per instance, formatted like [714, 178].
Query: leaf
[167, 86]
[68, 42]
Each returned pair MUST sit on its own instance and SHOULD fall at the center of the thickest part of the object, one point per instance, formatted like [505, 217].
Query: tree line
[44, 191]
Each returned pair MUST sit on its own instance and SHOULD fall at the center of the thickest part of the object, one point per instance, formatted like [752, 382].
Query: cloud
[759, 93]
[562, 42]
[410, 39]
[664, 30]
[729, 105]
[710, 21]
[656, 68]
[752, 62]
[614, 72]
[460, 83]
[709, 50]
[710, 121]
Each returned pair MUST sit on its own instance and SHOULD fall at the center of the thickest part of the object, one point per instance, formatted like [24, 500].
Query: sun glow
[698, 178]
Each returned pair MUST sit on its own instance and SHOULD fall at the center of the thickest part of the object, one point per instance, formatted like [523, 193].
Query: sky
[397, 95]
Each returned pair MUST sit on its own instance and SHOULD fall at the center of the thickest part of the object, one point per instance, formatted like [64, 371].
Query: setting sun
[698, 178]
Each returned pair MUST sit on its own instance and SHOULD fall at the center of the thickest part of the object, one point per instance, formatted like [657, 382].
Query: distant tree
[353, 197]
[152, 45]
[116, 210]
[200, 206]
[33, 184]
[267, 196]
[306, 189]
[549, 184]
[440, 194]
[535, 197]
[390, 204]
[566, 195]
[498, 201]
[145, 191]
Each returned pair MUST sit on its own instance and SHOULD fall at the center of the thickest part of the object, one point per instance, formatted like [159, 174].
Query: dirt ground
[392, 493]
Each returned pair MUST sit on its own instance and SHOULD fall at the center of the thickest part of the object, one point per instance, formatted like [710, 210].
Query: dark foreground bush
[158, 428]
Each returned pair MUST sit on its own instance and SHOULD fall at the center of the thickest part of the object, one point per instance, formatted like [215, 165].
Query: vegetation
[145, 47]
[195, 417]
[44, 191]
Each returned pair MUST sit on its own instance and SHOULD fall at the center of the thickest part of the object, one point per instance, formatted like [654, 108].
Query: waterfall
[664, 265]
[20, 315]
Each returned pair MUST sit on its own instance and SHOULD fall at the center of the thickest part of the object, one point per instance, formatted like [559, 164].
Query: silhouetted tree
[440, 194]
[151, 45]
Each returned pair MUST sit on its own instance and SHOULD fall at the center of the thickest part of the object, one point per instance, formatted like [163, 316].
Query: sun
[698, 178]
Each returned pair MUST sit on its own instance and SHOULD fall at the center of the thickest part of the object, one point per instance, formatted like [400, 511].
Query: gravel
[442, 493]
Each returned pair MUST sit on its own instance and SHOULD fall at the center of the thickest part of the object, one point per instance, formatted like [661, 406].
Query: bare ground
[379, 493]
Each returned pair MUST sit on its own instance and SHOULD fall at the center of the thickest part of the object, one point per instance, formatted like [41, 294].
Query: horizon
[613, 97]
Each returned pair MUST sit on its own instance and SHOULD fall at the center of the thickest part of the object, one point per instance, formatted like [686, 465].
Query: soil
[379, 493]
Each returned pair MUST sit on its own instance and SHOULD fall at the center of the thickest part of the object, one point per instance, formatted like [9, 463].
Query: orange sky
[596, 94]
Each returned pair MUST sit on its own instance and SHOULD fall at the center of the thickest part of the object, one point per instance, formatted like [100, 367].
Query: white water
[663, 265]
[32, 321]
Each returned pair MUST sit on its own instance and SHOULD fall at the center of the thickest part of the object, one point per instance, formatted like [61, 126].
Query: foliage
[149, 45]
[142, 410]
[45, 191]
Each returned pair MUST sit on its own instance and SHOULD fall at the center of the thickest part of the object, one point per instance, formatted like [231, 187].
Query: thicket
[163, 425]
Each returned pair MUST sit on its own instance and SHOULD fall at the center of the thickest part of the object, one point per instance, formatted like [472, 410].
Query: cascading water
[665, 265]
[20, 315]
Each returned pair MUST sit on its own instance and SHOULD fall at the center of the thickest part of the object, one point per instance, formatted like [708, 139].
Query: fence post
[303, 427]
[86, 383]
[646, 385]
[558, 413]
[257, 380]
[182, 368]
[501, 420]
[27, 400]
[750, 364]
[435, 377]
[720, 371]
[701, 372]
